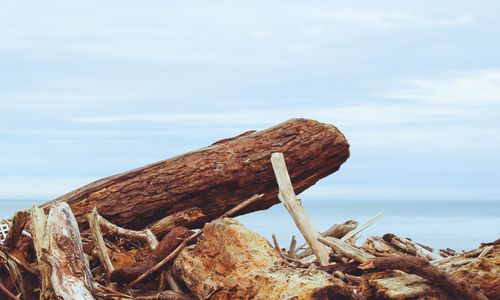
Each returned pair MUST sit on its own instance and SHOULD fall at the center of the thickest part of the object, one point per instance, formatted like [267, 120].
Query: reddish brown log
[421, 267]
[173, 239]
[180, 219]
[215, 178]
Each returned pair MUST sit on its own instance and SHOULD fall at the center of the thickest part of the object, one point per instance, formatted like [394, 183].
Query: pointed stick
[362, 227]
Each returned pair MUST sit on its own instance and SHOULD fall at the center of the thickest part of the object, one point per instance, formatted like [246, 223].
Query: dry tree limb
[15, 275]
[16, 229]
[61, 261]
[345, 249]
[7, 292]
[183, 218]
[143, 235]
[421, 267]
[177, 250]
[100, 246]
[410, 247]
[295, 208]
[362, 227]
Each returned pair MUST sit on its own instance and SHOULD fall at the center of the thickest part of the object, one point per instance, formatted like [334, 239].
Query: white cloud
[481, 87]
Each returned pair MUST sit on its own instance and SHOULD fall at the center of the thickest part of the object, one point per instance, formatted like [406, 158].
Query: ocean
[460, 225]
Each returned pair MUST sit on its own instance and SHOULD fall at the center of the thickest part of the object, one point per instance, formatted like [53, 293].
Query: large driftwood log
[214, 178]
[63, 268]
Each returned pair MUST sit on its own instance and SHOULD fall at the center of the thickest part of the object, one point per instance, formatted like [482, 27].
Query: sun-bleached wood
[295, 208]
[100, 246]
[411, 247]
[345, 249]
[143, 235]
[336, 231]
[63, 268]
[362, 227]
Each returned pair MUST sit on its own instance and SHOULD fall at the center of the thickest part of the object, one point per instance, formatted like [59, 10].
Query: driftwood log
[215, 178]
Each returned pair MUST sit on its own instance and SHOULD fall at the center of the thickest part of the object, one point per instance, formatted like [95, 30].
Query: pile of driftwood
[134, 235]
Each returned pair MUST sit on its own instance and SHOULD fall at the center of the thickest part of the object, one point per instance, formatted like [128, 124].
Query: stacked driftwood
[133, 235]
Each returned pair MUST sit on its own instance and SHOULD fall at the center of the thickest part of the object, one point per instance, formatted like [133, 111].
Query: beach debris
[149, 249]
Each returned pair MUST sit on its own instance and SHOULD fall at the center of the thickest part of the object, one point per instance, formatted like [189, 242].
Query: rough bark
[232, 262]
[214, 178]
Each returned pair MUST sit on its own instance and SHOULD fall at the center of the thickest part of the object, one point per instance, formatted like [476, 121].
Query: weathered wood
[421, 267]
[183, 218]
[295, 208]
[214, 178]
[16, 229]
[345, 249]
[65, 272]
[336, 231]
[232, 262]
[410, 247]
[143, 235]
[362, 227]
[100, 246]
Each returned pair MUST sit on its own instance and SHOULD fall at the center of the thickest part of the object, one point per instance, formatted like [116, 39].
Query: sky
[89, 89]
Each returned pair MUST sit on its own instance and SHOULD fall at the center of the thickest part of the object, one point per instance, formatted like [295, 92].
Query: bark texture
[232, 262]
[214, 178]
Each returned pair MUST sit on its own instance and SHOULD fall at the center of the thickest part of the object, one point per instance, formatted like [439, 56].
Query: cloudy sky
[90, 89]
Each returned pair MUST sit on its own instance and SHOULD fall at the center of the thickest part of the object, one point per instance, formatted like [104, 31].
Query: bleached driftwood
[362, 227]
[487, 250]
[143, 235]
[100, 246]
[63, 268]
[345, 249]
[296, 210]
[336, 231]
[183, 218]
[411, 247]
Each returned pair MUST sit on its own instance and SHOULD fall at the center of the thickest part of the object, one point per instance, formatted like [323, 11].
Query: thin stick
[6, 291]
[362, 227]
[296, 210]
[189, 239]
[276, 245]
[102, 252]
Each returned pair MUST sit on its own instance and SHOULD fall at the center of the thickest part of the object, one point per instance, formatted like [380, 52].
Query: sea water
[460, 225]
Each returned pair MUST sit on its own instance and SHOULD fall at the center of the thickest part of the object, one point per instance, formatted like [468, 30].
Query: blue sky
[90, 89]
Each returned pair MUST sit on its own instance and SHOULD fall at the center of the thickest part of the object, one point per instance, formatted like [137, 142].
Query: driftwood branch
[410, 247]
[100, 246]
[183, 218]
[295, 208]
[421, 267]
[362, 227]
[7, 292]
[345, 249]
